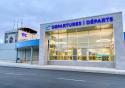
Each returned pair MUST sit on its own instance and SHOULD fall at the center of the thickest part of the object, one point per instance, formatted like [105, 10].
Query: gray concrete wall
[119, 41]
[82, 63]
[43, 48]
[8, 52]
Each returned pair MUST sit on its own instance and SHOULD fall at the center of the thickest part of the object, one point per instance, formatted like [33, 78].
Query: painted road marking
[13, 74]
[72, 79]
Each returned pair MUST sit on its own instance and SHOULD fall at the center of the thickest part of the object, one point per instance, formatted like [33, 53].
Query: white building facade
[96, 41]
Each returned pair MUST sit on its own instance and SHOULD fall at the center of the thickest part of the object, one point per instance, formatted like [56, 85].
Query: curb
[67, 68]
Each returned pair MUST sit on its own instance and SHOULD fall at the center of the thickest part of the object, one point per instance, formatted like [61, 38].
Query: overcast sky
[34, 12]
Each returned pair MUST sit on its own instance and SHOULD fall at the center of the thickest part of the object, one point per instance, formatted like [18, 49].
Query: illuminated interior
[95, 43]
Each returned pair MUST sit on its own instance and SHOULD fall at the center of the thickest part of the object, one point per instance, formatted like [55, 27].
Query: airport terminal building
[96, 41]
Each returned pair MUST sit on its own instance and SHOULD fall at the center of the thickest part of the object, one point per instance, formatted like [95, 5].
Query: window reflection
[94, 43]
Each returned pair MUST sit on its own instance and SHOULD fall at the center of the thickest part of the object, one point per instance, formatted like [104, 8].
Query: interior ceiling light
[103, 40]
[60, 42]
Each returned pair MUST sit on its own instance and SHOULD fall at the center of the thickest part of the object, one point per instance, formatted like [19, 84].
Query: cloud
[34, 12]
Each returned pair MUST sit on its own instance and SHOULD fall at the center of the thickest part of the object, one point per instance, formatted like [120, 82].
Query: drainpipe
[17, 55]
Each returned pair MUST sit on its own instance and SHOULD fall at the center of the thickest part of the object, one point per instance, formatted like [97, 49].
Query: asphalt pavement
[12, 77]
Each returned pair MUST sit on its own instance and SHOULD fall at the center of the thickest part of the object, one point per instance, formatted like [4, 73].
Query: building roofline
[82, 18]
[28, 30]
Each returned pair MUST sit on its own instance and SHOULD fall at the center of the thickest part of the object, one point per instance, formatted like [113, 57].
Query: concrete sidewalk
[66, 68]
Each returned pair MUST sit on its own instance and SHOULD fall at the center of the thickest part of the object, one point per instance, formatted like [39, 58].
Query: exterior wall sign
[24, 35]
[79, 23]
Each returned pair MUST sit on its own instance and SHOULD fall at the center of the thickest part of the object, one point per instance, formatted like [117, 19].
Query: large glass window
[95, 43]
[72, 44]
[82, 44]
[62, 43]
[53, 45]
